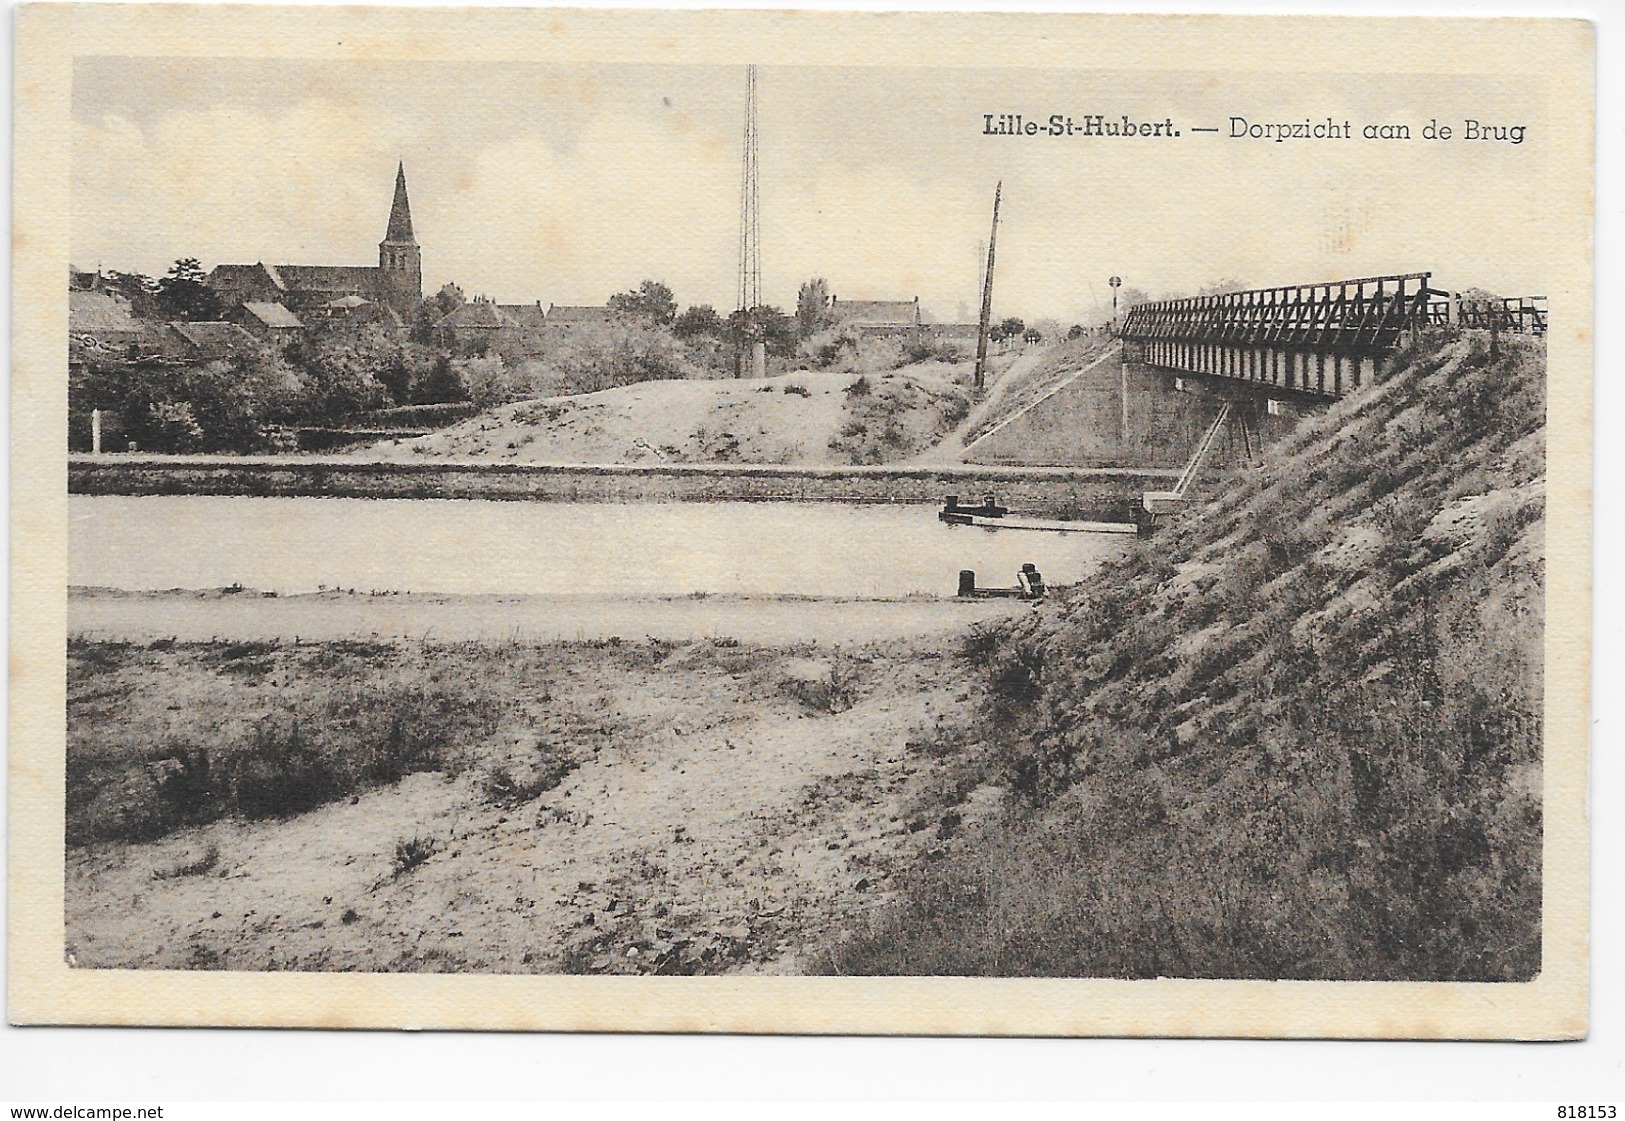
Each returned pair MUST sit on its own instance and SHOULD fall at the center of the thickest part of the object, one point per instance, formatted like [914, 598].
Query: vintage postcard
[801, 522]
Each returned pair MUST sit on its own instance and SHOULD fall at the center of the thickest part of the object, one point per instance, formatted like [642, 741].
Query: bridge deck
[1322, 339]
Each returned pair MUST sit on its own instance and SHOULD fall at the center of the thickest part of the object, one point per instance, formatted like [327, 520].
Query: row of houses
[101, 325]
[100, 319]
[484, 319]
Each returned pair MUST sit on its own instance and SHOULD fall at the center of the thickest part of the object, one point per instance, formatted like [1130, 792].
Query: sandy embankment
[722, 818]
[188, 616]
[792, 418]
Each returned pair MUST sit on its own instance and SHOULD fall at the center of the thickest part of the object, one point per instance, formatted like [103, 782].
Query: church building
[396, 284]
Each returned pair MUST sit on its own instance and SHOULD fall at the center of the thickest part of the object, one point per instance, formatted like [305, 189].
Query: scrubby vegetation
[247, 402]
[1295, 735]
[165, 736]
[888, 418]
[848, 350]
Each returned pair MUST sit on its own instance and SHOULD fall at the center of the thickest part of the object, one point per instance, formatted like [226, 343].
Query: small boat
[1112, 516]
[988, 509]
[1047, 524]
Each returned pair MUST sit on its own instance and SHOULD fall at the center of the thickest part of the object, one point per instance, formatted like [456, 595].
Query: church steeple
[400, 262]
[400, 211]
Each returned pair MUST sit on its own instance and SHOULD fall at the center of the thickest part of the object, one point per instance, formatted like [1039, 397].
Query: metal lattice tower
[750, 210]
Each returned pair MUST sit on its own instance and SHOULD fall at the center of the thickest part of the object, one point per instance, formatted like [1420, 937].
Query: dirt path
[735, 832]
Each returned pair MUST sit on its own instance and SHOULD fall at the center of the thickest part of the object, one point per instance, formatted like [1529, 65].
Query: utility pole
[1116, 282]
[987, 293]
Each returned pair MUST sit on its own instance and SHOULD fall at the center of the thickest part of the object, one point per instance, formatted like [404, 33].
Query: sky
[563, 184]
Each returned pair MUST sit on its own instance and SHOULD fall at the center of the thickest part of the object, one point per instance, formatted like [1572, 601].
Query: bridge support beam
[1301, 371]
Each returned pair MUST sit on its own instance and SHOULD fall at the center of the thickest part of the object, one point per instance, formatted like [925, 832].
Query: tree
[448, 299]
[651, 301]
[778, 330]
[1221, 287]
[441, 385]
[768, 324]
[339, 373]
[488, 381]
[183, 295]
[396, 377]
[1008, 329]
[812, 307]
[139, 289]
[701, 319]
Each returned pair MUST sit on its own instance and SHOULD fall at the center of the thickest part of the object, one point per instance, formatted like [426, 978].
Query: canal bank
[1048, 491]
[104, 615]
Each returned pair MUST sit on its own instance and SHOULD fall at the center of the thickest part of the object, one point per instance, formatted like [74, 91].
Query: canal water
[295, 545]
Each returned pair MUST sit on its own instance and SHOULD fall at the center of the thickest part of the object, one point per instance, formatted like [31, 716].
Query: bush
[929, 350]
[442, 383]
[525, 776]
[412, 853]
[623, 353]
[893, 417]
[827, 685]
[328, 721]
[281, 774]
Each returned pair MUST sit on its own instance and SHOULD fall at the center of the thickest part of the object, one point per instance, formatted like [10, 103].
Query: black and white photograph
[701, 514]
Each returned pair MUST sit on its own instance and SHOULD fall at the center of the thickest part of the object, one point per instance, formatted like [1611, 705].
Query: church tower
[400, 262]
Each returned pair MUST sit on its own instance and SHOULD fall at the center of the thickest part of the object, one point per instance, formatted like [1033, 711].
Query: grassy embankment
[1296, 735]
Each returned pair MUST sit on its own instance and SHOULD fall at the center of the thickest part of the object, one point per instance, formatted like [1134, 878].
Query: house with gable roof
[268, 321]
[562, 318]
[891, 318]
[213, 342]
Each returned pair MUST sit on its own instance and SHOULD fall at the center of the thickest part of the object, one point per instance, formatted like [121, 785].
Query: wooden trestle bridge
[1324, 340]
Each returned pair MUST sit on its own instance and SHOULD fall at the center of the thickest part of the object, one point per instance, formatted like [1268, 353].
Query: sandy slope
[787, 419]
[737, 831]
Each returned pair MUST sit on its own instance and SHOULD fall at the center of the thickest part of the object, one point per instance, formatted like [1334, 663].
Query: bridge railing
[1522, 314]
[1365, 315]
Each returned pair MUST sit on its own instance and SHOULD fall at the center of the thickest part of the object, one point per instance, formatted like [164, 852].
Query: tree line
[336, 373]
